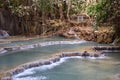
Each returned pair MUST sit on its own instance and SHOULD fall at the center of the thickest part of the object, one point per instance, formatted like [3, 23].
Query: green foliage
[1, 3]
[45, 5]
[77, 7]
[100, 9]
[107, 11]
[22, 7]
[91, 9]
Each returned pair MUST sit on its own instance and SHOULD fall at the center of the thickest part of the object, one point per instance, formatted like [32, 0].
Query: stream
[67, 69]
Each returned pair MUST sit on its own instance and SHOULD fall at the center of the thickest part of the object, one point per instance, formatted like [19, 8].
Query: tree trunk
[43, 22]
[68, 9]
[61, 10]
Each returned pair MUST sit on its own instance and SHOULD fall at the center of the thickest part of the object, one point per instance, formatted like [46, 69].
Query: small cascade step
[108, 49]
[85, 55]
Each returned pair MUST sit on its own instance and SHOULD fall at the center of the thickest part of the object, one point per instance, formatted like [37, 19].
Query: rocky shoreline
[9, 74]
[100, 36]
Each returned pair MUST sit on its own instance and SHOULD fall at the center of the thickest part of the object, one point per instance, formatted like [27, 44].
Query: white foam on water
[3, 51]
[46, 67]
[31, 78]
[100, 57]
[92, 58]
[26, 72]
[26, 47]
[41, 68]
[49, 43]
[51, 66]
[60, 42]
[72, 57]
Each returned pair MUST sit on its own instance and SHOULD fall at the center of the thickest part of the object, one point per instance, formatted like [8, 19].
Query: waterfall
[114, 42]
[73, 32]
[76, 36]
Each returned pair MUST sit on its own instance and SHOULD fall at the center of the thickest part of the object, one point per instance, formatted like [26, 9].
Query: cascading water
[73, 32]
[76, 36]
[70, 68]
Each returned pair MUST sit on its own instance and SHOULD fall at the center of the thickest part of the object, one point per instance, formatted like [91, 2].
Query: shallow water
[74, 69]
[15, 58]
[70, 69]
[33, 41]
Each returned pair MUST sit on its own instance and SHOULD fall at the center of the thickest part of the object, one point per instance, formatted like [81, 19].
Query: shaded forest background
[35, 17]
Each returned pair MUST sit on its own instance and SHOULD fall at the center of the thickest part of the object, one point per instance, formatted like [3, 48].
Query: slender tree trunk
[43, 22]
[61, 10]
[68, 9]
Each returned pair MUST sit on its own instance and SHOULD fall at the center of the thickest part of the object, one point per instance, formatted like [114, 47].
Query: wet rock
[8, 49]
[17, 71]
[26, 66]
[62, 55]
[107, 48]
[96, 55]
[40, 63]
[46, 62]
[33, 65]
[85, 54]
[2, 50]
[6, 78]
[55, 60]
[3, 34]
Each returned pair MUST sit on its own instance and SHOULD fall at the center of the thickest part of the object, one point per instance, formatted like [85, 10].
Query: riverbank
[100, 35]
[20, 38]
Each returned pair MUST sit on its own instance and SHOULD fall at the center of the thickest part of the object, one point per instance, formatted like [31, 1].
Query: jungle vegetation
[31, 16]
